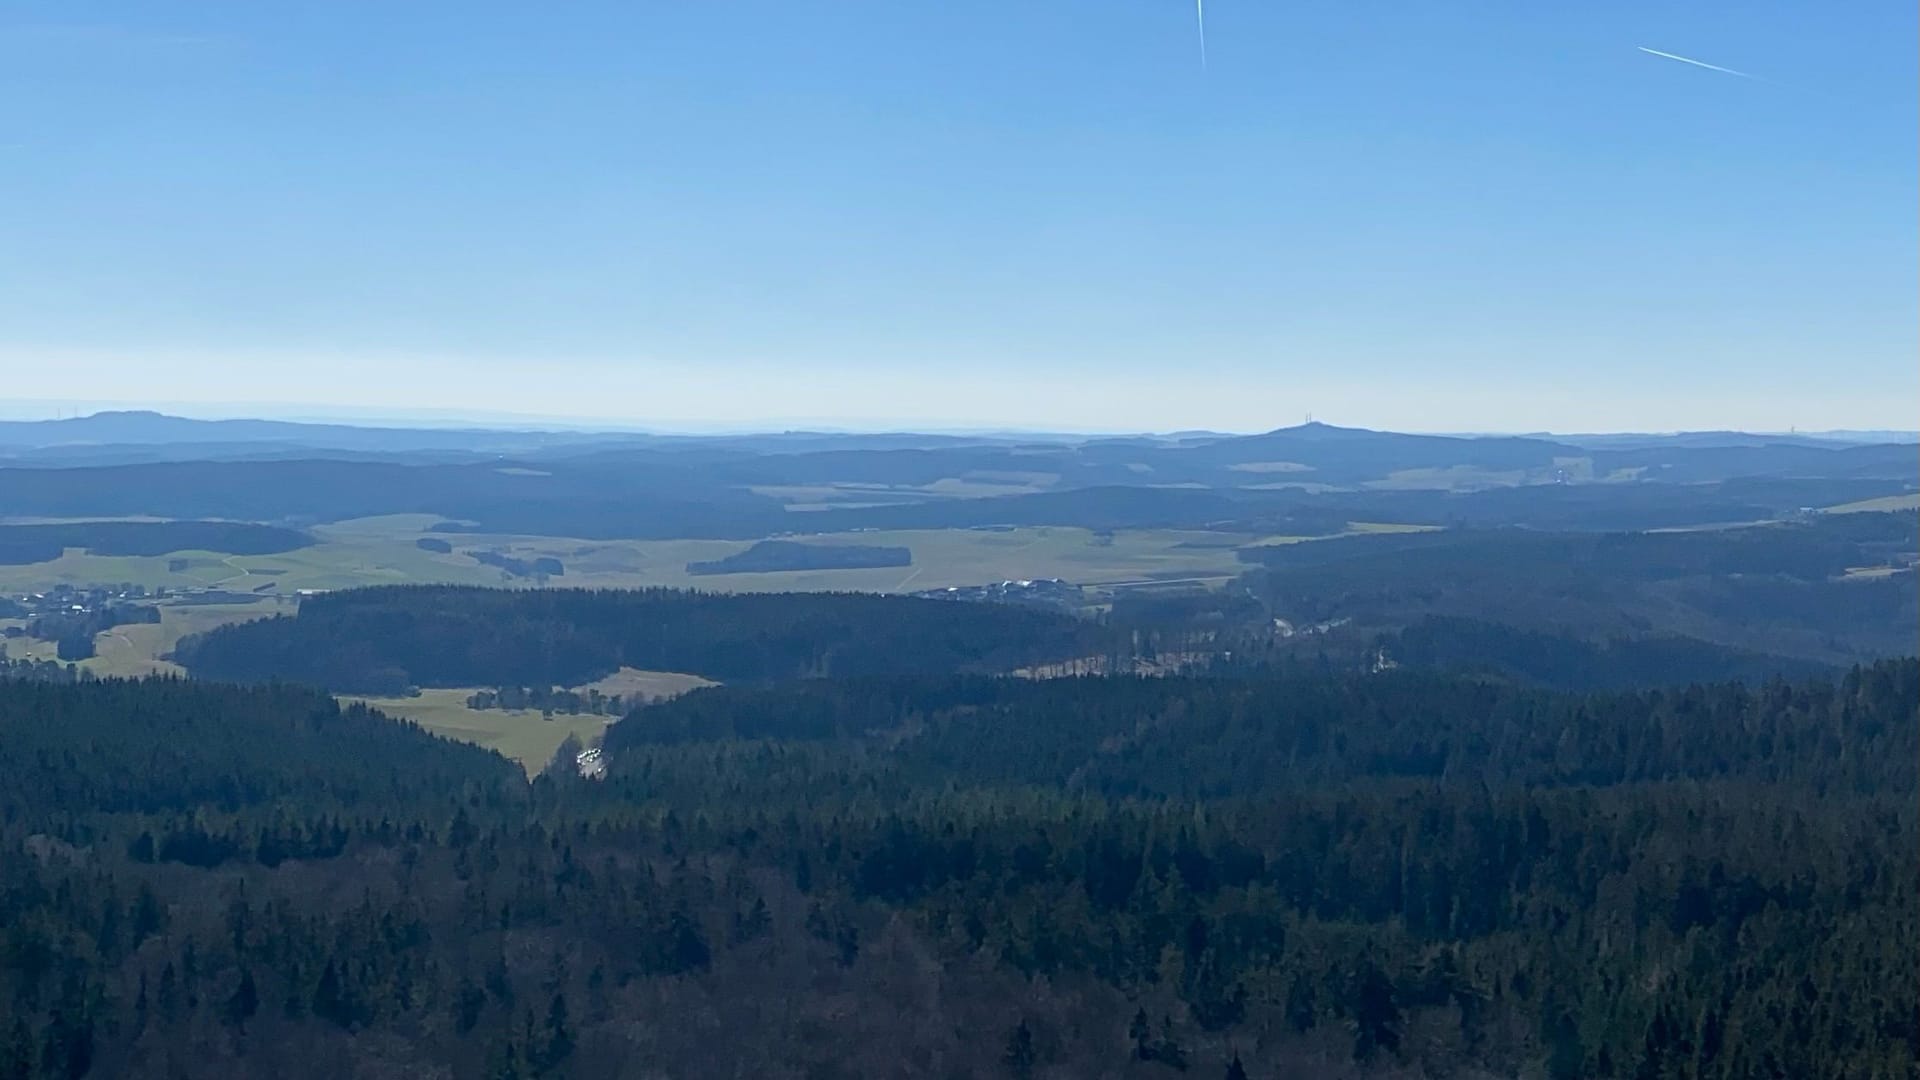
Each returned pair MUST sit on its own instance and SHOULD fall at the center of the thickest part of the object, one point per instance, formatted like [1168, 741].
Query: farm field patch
[519, 734]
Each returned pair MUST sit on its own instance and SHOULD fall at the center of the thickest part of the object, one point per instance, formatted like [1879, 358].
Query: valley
[1425, 766]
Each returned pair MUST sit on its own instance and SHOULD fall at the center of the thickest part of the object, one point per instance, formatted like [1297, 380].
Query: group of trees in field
[26, 667]
[769, 556]
[1291, 874]
[549, 699]
[513, 566]
[73, 632]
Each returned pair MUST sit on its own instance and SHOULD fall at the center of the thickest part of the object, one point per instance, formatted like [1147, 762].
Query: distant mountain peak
[1315, 429]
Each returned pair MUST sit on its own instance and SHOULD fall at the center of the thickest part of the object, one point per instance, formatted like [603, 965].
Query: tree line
[549, 699]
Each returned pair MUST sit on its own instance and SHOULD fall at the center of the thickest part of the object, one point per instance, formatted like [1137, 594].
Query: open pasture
[524, 734]
[136, 649]
[384, 551]
[1882, 505]
[519, 734]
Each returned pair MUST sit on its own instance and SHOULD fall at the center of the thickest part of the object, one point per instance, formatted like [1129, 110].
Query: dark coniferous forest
[39, 542]
[386, 639]
[1319, 875]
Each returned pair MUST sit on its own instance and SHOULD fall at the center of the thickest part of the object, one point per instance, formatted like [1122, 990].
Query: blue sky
[1461, 216]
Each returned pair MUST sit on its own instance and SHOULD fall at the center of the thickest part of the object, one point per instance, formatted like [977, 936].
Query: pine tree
[1168, 1050]
[329, 997]
[597, 1003]
[1376, 1014]
[1301, 1011]
[1566, 1057]
[557, 1039]
[244, 1002]
[17, 1060]
[148, 916]
[505, 1063]
[1140, 1033]
[1235, 1070]
[1020, 1057]
[468, 1000]
[168, 995]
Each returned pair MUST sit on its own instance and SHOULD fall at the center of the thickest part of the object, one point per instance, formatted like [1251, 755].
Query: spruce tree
[1020, 1057]
[243, 1002]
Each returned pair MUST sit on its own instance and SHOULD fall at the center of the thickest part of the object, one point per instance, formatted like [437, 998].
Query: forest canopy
[383, 640]
[1316, 875]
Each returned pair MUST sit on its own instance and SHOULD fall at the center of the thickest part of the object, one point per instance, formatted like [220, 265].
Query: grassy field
[521, 734]
[851, 495]
[1872, 573]
[1452, 478]
[940, 558]
[1882, 504]
[632, 683]
[382, 551]
[1355, 528]
[328, 565]
[135, 650]
[376, 551]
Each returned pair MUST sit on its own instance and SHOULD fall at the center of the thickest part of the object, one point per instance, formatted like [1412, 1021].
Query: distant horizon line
[394, 418]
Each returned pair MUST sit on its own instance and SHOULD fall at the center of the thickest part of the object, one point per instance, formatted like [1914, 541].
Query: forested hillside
[1686, 882]
[1321, 876]
[1784, 590]
[384, 640]
[1209, 737]
[1571, 662]
[191, 753]
[1309, 480]
[38, 543]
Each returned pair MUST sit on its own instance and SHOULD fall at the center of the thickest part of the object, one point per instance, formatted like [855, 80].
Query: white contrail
[1200, 17]
[1695, 63]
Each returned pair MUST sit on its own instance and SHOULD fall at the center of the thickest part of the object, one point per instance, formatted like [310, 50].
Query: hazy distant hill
[143, 428]
[1832, 440]
[125, 435]
[1303, 480]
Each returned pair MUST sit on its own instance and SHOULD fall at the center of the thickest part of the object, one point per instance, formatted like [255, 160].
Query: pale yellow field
[328, 565]
[382, 551]
[940, 558]
[1356, 527]
[521, 734]
[1872, 573]
[1881, 505]
[633, 683]
[848, 495]
[1270, 467]
[1452, 478]
[135, 650]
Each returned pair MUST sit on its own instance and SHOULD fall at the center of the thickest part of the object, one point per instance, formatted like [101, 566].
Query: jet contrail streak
[1695, 63]
[1200, 17]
